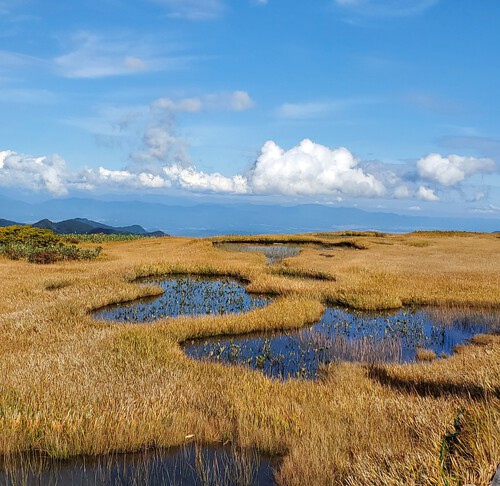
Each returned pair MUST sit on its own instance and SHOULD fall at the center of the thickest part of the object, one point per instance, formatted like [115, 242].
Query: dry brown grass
[426, 354]
[71, 385]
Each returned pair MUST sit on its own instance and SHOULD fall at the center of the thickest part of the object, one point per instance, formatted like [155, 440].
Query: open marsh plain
[75, 385]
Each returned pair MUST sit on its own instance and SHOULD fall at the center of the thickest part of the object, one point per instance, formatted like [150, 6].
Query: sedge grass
[71, 385]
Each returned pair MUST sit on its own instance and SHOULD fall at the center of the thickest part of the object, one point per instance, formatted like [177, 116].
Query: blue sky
[379, 104]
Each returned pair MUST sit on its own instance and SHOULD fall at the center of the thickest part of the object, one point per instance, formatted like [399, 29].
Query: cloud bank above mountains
[308, 169]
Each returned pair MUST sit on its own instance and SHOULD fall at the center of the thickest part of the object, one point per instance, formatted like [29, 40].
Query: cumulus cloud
[234, 101]
[426, 194]
[452, 169]
[101, 177]
[194, 180]
[188, 178]
[310, 169]
[36, 173]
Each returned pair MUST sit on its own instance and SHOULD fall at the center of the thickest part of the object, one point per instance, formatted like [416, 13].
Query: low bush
[37, 245]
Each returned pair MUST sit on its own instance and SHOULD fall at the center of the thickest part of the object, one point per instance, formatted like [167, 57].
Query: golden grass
[71, 385]
[426, 354]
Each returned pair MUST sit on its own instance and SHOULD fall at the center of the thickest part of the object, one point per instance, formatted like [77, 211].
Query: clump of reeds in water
[465, 317]
[426, 354]
[273, 252]
[365, 349]
[192, 465]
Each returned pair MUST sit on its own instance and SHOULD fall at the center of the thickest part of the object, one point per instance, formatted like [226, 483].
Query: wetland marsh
[77, 388]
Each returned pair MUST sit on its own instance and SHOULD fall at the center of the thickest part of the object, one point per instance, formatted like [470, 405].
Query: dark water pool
[187, 466]
[343, 335]
[274, 252]
[185, 296]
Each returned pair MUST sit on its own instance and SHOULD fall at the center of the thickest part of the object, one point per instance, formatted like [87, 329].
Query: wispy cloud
[7, 6]
[27, 96]
[319, 109]
[233, 101]
[433, 103]
[385, 8]
[193, 9]
[10, 60]
[94, 56]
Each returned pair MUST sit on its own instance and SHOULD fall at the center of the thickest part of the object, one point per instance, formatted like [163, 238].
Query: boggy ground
[71, 385]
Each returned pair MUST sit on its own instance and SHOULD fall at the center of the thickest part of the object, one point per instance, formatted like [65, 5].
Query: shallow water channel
[340, 335]
[186, 295]
[343, 335]
[191, 465]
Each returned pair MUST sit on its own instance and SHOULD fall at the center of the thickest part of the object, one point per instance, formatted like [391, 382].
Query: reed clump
[426, 354]
[73, 385]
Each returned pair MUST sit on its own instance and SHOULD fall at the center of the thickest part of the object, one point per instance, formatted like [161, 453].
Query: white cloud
[36, 173]
[188, 178]
[426, 194]
[193, 9]
[234, 101]
[452, 169]
[402, 192]
[194, 180]
[97, 57]
[89, 179]
[386, 8]
[310, 169]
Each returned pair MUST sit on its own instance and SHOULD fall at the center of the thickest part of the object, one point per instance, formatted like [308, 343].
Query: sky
[377, 104]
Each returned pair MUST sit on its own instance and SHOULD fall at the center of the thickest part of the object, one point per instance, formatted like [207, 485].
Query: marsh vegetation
[185, 295]
[75, 386]
[274, 252]
[189, 465]
[341, 335]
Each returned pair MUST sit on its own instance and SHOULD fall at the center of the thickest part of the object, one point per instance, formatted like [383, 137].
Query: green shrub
[37, 245]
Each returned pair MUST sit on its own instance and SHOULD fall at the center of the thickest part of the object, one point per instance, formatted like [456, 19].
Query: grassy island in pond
[74, 385]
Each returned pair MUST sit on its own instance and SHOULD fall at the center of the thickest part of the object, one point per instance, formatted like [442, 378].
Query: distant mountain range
[214, 219]
[83, 226]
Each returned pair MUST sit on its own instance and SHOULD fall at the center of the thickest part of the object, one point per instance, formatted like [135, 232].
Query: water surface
[186, 295]
[343, 335]
[274, 252]
[187, 466]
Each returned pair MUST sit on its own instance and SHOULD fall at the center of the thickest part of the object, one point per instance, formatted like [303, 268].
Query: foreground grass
[70, 385]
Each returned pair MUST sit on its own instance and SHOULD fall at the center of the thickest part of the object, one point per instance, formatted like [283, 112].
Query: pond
[274, 252]
[343, 335]
[186, 295]
[191, 465]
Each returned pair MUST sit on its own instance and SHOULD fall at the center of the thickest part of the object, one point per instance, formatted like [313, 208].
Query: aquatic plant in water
[343, 335]
[186, 296]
